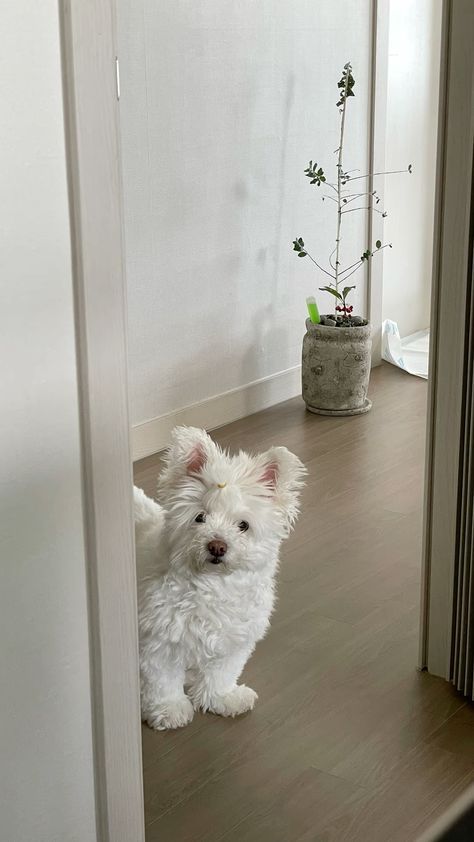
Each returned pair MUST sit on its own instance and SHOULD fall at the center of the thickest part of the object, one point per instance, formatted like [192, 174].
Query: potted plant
[337, 347]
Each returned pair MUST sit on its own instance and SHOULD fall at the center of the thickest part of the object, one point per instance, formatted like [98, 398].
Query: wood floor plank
[419, 787]
[335, 802]
[456, 734]
[347, 741]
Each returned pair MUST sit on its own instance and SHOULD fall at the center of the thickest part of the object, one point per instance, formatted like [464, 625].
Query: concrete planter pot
[336, 369]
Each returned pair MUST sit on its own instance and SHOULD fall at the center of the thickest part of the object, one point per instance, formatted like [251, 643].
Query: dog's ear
[283, 474]
[190, 448]
[270, 474]
[187, 455]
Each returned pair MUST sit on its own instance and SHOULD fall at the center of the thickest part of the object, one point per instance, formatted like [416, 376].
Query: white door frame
[93, 150]
[451, 289]
[88, 37]
[377, 136]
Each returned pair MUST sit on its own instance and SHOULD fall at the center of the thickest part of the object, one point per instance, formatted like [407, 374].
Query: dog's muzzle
[217, 549]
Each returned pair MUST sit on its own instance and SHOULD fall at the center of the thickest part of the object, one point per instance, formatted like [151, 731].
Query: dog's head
[226, 512]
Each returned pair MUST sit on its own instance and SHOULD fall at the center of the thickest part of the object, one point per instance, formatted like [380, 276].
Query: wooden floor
[347, 741]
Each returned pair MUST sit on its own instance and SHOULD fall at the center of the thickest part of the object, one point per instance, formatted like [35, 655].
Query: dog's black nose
[217, 548]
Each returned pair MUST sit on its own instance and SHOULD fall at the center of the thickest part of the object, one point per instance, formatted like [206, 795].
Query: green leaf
[332, 291]
[346, 291]
[302, 254]
[378, 244]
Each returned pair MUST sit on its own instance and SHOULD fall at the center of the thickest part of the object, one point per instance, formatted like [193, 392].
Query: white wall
[222, 106]
[412, 121]
[46, 785]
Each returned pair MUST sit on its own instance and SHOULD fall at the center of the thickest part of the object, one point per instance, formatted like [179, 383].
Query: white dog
[207, 558]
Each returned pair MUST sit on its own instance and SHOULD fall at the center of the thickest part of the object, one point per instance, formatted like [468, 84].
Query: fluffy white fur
[199, 620]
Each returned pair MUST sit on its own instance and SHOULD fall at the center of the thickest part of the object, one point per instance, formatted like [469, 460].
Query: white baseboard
[152, 436]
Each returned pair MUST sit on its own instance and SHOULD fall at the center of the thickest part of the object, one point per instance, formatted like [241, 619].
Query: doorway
[88, 238]
[216, 116]
[414, 50]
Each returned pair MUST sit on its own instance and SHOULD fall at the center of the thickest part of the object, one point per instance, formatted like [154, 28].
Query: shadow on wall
[267, 333]
[266, 336]
[246, 268]
[282, 238]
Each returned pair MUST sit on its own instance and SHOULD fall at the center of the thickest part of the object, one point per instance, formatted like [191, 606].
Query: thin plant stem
[343, 271]
[387, 172]
[364, 207]
[352, 197]
[339, 180]
[360, 262]
[365, 193]
[320, 267]
[358, 265]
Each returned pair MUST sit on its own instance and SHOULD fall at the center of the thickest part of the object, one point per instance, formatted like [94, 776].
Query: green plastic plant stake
[313, 310]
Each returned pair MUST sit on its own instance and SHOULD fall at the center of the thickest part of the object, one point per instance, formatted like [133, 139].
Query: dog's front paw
[169, 714]
[237, 701]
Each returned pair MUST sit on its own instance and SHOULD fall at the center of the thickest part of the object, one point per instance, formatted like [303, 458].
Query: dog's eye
[243, 526]
[200, 518]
